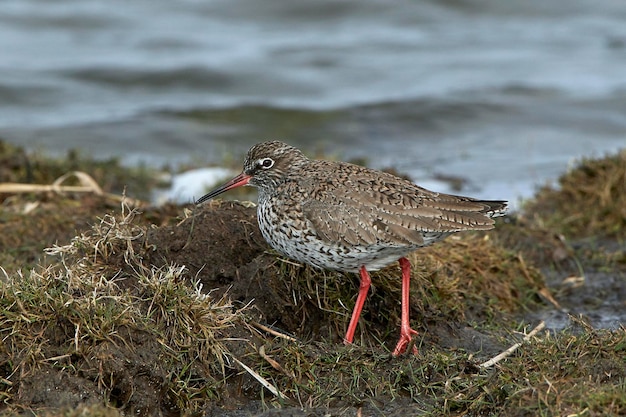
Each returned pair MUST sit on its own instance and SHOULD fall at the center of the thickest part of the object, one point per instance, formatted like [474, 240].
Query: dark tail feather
[494, 208]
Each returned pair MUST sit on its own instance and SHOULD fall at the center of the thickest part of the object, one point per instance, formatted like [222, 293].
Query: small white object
[191, 185]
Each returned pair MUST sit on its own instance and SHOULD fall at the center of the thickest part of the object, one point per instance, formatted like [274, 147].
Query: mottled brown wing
[358, 206]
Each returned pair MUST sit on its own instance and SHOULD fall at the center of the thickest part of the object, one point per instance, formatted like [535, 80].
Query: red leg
[405, 328]
[360, 300]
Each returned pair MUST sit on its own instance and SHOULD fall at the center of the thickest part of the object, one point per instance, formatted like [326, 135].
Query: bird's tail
[494, 208]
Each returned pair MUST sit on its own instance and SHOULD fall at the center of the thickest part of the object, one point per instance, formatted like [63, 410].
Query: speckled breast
[289, 233]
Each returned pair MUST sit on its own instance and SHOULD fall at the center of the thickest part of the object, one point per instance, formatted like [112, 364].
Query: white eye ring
[266, 163]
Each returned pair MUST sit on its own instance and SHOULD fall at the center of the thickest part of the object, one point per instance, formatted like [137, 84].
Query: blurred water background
[500, 95]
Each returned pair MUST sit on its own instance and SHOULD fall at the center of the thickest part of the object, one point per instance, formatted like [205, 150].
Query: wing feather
[359, 206]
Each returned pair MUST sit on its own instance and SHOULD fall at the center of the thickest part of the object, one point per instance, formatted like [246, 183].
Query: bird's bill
[238, 181]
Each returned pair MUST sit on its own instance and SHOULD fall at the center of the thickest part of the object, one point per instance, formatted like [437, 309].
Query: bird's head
[267, 164]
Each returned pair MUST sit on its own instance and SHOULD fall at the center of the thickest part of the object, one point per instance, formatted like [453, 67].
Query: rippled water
[503, 95]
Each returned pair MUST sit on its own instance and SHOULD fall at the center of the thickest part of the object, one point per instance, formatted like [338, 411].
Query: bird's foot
[406, 335]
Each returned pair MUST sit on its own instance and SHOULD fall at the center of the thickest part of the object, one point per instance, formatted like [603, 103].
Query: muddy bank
[154, 311]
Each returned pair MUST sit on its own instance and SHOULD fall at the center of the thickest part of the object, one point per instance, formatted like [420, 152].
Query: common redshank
[345, 217]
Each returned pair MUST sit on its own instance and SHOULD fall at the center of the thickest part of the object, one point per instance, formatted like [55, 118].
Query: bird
[340, 216]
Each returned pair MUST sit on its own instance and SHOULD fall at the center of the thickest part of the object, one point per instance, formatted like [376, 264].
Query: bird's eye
[266, 163]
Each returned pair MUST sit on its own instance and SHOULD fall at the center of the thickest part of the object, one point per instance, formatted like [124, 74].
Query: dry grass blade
[513, 348]
[87, 185]
[271, 388]
[85, 180]
[273, 332]
[274, 363]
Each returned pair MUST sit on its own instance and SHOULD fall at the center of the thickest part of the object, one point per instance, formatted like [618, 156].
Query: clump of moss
[134, 336]
[589, 201]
